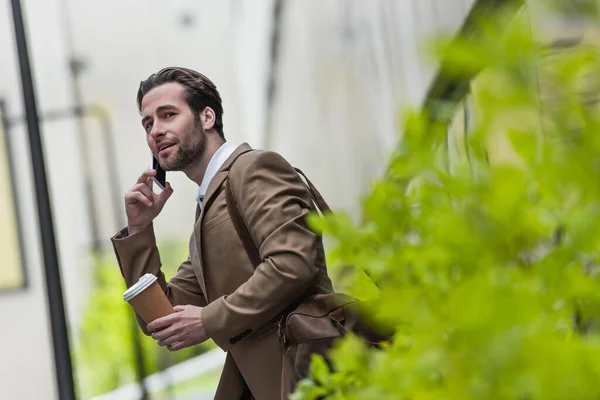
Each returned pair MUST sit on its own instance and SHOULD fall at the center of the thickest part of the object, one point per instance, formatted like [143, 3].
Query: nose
[157, 131]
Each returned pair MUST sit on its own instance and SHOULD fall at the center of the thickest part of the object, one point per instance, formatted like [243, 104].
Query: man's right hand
[142, 205]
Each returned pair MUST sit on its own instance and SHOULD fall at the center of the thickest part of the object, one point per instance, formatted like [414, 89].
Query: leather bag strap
[316, 197]
[242, 229]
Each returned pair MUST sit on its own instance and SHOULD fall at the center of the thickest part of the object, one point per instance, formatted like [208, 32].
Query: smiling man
[217, 292]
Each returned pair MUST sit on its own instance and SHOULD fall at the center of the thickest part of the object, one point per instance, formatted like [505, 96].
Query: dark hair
[200, 92]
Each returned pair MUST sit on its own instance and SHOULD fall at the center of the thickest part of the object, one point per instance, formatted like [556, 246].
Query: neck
[196, 170]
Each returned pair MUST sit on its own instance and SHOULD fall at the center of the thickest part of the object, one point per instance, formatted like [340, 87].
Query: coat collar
[220, 176]
[242, 148]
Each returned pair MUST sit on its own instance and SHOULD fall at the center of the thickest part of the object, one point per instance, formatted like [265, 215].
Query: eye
[148, 126]
[169, 114]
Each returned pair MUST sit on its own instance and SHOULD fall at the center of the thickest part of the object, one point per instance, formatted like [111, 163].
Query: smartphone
[161, 175]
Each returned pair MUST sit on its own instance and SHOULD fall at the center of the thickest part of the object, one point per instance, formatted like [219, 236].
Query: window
[12, 273]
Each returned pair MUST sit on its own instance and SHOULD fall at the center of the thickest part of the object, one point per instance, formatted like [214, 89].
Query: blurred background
[322, 82]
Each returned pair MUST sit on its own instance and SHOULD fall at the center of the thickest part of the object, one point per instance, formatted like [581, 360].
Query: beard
[190, 149]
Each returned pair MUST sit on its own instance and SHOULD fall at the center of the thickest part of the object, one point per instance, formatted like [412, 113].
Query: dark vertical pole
[60, 336]
[117, 204]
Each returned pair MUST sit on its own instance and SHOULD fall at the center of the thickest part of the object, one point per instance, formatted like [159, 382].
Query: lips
[165, 147]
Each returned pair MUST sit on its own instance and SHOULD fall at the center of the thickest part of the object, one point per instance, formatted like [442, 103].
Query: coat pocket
[216, 221]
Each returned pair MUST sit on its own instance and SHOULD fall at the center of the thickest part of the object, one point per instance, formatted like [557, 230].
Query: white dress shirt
[214, 165]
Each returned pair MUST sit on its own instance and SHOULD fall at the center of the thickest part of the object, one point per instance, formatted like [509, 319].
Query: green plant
[489, 273]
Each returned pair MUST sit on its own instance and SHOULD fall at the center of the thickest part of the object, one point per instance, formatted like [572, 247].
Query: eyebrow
[158, 109]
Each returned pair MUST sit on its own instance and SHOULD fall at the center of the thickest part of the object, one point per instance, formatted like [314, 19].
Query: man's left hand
[181, 329]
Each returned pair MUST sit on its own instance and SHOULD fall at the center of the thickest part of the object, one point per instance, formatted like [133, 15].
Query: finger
[163, 334]
[145, 175]
[178, 346]
[163, 322]
[179, 308]
[171, 340]
[141, 187]
[135, 197]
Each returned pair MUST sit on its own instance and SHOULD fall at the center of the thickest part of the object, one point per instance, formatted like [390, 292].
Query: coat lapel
[196, 254]
[211, 193]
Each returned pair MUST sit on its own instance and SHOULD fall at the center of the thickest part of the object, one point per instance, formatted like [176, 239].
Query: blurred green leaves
[487, 265]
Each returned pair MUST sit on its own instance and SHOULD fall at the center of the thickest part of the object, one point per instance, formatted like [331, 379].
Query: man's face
[173, 132]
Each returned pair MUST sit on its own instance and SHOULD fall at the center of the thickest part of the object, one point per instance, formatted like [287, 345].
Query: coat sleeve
[138, 255]
[274, 203]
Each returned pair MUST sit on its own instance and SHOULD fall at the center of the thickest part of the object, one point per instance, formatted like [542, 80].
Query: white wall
[348, 69]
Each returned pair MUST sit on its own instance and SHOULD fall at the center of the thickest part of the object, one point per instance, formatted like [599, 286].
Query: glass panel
[11, 268]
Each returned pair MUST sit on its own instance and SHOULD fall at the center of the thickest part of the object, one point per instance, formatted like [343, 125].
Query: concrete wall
[347, 70]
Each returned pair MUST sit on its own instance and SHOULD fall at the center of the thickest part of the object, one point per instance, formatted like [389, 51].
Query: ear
[208, 118]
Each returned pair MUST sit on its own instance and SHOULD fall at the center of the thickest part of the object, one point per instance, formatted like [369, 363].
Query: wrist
[133, 229]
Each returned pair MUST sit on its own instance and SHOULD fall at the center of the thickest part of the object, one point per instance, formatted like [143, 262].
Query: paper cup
[148, 299]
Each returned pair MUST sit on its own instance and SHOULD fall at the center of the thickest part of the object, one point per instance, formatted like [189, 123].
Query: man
[217, 292]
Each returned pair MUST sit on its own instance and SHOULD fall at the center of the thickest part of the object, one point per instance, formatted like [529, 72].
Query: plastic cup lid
[141, 285]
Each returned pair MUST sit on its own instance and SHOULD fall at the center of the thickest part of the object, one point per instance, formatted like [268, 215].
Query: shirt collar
[215, 163]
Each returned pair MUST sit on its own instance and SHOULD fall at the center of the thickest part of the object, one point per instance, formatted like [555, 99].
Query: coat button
[232, 341]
